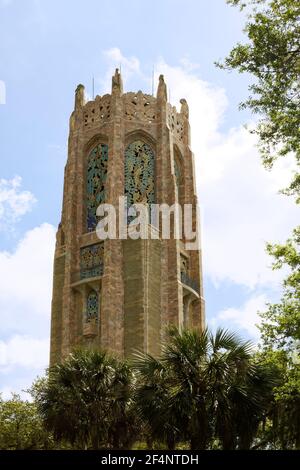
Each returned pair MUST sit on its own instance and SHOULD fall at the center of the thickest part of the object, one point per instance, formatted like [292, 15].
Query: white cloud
[244, 318]
[23, 351]
[25, 301]
[207, 103]
[130, 66]
[242, 210]
[26, 282]
[14, 202]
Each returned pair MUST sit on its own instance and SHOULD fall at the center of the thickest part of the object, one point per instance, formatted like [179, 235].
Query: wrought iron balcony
[185, 279]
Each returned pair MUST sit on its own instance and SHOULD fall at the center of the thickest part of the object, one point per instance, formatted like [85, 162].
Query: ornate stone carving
[184, 108]
[162, 89]
[139, 107]
[97, 112]
[79, 97]
[117, 84]
[175, 121]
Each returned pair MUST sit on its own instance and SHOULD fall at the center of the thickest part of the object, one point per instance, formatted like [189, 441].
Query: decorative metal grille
[92, 306]
[139, 173]
[96, 178]
[91, 260]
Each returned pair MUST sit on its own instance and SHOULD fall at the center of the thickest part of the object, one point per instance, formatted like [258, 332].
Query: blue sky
[46, 49]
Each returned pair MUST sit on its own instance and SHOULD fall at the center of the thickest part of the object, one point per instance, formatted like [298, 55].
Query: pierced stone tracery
[175, 121]
[140, 107]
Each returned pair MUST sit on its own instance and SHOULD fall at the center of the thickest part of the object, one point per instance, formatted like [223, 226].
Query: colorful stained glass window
[96, 178]
[91, 260]
[92, 305]
[139, 173]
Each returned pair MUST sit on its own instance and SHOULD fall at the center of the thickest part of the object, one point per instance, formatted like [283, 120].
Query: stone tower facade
[120, 294]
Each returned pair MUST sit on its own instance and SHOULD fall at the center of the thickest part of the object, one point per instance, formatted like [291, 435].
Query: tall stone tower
[120, 294]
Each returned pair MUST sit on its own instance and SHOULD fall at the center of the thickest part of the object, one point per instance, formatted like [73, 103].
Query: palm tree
[160, 415]
[204, 387]
[87, 401]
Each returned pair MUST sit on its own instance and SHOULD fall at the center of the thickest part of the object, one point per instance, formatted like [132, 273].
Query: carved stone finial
[117, 83]
[79, 96]
[184, 108]
[162, 89]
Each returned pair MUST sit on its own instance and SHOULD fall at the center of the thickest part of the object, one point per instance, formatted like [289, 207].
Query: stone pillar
[112, 304]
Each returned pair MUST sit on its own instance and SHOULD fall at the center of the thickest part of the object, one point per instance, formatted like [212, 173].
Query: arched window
[96, 178]
[139, 173]
[92, 306]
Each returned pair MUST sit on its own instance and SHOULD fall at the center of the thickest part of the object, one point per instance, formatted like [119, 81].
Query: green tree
[281, 322]
[280, 332]
[271, 55]
[204, 387]
[87, 401]
[163, 418]
[21, 426]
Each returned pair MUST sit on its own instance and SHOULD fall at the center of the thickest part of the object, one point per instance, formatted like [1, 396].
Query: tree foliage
[87, 400]
[21, 427]
[280, 332]
[281, 322]
[271, 55]
[203, 388]
[206, 391]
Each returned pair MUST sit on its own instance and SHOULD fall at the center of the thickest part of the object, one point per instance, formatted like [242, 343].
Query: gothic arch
[92, 142]
[140, 134]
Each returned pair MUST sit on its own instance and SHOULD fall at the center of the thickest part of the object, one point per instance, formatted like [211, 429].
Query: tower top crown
[135, 107]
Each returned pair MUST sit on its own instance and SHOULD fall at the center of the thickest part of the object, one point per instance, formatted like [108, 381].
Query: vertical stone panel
[134, 292]
[57, 303]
